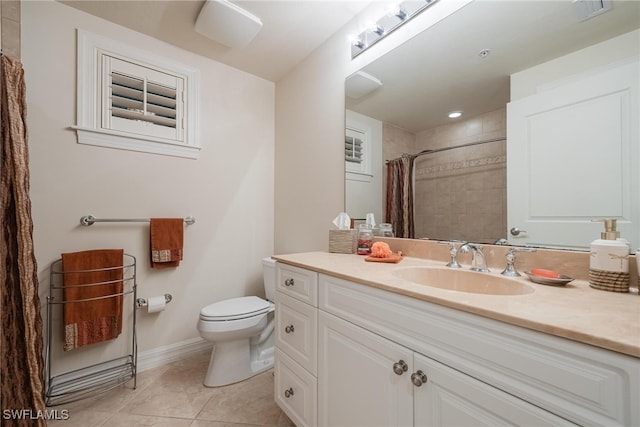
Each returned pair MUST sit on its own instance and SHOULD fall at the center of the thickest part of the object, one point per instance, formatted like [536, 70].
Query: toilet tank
[269, 277]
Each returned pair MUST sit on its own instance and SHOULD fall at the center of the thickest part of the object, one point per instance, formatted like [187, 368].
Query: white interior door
[572, 156]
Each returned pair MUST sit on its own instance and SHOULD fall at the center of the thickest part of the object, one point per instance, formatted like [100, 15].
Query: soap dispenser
[609, 260]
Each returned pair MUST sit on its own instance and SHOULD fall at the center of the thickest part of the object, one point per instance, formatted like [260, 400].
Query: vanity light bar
[396, 17]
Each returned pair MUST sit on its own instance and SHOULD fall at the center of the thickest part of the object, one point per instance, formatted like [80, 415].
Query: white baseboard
[170, 353]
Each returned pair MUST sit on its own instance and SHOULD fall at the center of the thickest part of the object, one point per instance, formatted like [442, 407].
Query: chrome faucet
[478, 262]
[510, 269]
[453, 261]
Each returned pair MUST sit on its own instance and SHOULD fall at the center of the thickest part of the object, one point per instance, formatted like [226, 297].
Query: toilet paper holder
[142, 302]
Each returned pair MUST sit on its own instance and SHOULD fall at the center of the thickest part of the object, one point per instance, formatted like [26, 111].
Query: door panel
[572, 156]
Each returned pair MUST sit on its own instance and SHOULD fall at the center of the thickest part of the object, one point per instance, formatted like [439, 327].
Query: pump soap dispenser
[609, 260]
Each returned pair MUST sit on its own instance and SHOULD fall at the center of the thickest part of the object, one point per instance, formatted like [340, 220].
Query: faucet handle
[468, 246]
[510, 269]
[453, 252]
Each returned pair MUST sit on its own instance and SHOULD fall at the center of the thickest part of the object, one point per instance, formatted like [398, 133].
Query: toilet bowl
[241, 330]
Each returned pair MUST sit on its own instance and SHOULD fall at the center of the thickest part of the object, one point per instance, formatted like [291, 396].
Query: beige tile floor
[173, 395]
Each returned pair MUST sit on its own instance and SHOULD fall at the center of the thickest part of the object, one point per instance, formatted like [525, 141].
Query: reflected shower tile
[473, 126]
[494, 120]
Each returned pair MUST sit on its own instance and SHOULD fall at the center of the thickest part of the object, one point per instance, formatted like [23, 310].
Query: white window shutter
[144, 104]
[141, 100]
[357, 151]
[353, 149]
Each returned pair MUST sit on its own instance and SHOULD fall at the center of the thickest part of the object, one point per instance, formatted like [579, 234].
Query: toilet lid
[235, 308]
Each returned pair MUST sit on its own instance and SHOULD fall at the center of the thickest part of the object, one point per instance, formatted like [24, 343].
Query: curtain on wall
[399, 207]
[21, 333]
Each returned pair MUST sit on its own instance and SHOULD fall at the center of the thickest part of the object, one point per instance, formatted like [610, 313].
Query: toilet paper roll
[156, 304]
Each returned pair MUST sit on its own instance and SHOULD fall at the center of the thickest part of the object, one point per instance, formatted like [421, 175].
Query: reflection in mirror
[479, 60]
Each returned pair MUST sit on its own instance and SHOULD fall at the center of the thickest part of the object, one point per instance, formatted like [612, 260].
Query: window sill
[358, 176]
[110, 139]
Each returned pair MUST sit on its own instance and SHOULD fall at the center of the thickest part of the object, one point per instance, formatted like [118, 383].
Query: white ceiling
[291, 29]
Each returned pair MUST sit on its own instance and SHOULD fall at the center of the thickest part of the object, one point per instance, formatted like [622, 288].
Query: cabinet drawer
[297, 282]
[582, 383]
[297, 331]
[295, 391]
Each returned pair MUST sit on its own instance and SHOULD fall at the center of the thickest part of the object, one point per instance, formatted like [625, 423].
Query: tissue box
[342, 241]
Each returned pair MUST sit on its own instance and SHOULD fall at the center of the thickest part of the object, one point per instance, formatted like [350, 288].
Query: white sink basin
[463, 280]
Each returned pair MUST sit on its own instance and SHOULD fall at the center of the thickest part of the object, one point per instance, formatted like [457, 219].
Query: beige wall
[10, 27]
[229, 189]
[309, 178]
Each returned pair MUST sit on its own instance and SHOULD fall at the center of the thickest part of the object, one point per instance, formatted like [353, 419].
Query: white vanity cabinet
[363, 378]
[296, 337]
[367, 380]
[389, 360]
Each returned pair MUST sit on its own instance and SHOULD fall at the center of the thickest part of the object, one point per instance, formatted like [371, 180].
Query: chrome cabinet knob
[288, 393]
[289, 282]
[418, 378]
[400, 367]
[515, 231]
[289, 329]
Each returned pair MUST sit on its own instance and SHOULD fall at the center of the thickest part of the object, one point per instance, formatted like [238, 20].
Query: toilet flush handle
[289, 282]
[289, 329]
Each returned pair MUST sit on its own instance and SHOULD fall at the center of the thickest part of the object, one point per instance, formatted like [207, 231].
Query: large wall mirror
[507, 168]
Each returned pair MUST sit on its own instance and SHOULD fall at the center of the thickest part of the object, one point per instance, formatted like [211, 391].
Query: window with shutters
[357, 152]
[353, 149]
[131, 100]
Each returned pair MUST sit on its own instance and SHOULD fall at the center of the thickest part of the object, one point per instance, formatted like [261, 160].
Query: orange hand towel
[87, 276]
[167, 235]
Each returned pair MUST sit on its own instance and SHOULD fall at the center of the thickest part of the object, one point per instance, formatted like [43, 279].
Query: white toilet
[241, 330]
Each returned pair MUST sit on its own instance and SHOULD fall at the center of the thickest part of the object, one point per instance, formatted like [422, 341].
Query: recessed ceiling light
[455, 114]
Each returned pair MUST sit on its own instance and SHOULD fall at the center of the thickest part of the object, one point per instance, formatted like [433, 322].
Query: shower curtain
[21, 370]
[399, 207]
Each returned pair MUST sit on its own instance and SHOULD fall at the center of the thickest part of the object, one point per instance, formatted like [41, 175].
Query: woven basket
[609, 280]
[342, 241]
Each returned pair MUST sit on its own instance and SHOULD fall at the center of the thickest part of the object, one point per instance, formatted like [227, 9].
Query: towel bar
[88, 220]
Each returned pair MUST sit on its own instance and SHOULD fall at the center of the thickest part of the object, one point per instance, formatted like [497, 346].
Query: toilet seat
[235, 309]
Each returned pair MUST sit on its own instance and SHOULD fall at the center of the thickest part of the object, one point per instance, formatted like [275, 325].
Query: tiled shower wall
[460, 193]
[10, 28]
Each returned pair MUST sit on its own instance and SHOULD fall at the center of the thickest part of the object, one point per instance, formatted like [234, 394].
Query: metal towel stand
[101, 377]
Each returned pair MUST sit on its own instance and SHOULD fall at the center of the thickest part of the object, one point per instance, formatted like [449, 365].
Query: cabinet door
[451, 398]
[357, 384]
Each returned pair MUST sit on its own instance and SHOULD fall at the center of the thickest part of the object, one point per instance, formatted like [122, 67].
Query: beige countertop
[575, 311]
